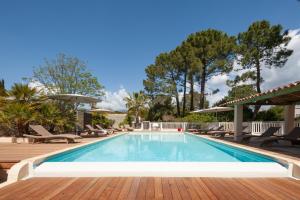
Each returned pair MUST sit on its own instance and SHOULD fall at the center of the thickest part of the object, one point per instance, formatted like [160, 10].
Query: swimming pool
[159, 154]
[158, 147]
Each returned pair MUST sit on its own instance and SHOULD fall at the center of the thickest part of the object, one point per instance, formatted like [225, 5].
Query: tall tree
[215, 51]
[164, 77]
[186, 61]
[262, 45]
[69, 75]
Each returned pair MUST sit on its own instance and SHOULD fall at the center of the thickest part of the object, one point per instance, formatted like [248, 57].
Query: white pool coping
[160, 169]
[26, 168]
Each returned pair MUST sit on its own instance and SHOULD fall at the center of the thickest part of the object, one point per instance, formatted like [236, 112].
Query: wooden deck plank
[150, 189]
[190, 188]
[134, 188]
[182, 189]
[126, 188]
[264, 191]
[97, 189]
[216, 188]
[117, 190]
[153, 188]
[158, 188]
[141, 193]
[109, 188]
[174, 189]
[205, 192]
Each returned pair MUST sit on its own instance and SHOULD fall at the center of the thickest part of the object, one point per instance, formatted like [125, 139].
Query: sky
[119, 39]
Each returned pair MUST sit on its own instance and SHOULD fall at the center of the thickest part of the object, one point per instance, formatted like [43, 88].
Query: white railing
[255, 128]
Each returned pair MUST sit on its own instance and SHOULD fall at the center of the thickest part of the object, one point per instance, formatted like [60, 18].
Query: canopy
[101, 110]
[74, 98]
[283, 95]
[214, 110]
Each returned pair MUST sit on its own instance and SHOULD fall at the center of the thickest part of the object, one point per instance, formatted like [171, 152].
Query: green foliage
[102, 120]
[198, 118]
[51, 117]
[262, 45]
[67, 75]
[136, 104]
[22, 92]
[24, 106]
[17, 112]
[238, 92]
[127, 121]
[216, 52]
[2, 88]
[275, 113]
[160, 107]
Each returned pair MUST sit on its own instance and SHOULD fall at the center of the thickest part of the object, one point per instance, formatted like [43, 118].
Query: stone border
[24, 169]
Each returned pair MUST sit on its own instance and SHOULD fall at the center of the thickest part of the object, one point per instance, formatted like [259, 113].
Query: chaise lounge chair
[268, 133]
[96, 132]
[293, 137]
[44, 135]
[206, 131]
[128, 128]
[222, 133]
[109, 131]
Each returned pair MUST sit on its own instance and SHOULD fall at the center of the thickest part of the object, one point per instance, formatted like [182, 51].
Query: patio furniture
[109, 131]
[44, 135]
[293, 136]
[269, 132]
[206, 131]
[222, 133]
[128, 128]
[96, 132]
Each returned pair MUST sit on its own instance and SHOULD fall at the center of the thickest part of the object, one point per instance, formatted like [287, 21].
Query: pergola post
[238, 122]
[289, 118]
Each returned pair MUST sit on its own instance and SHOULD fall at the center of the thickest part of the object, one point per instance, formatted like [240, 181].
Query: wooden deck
[152, 188]
[16, 152]
[10, 154]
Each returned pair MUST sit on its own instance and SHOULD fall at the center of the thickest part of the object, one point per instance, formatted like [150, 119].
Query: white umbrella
[101, 110]
[74, 98]
[213, 110]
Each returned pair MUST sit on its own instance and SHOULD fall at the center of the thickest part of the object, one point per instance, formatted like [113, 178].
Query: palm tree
[136, 104]
[19, 110]
[22, 92]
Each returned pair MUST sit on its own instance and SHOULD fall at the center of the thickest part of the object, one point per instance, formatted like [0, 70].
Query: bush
[197, 118]
[102, 120]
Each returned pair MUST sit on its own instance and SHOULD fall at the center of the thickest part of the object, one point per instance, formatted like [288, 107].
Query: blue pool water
[158, 148]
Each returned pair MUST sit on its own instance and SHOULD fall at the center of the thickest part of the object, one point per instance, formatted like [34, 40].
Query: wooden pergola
[287, 96]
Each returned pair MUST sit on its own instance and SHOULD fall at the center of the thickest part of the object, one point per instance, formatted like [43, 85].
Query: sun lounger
[109, 131]
[222, 133]
[269, 132]
[44, 135]
[293, 137]
[97, 132]
[206, 131]
[128, 128]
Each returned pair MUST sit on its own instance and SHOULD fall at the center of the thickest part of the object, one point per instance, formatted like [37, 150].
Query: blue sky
[118, 39]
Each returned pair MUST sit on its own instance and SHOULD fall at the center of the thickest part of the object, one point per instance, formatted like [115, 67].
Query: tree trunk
[184, 92]
[177, 104]
[258, 77]
[202, 87]
[192, 92]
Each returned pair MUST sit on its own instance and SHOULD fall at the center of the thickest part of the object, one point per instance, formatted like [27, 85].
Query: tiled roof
[273, 93]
